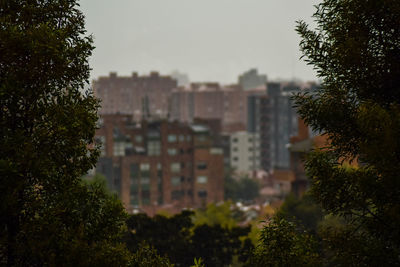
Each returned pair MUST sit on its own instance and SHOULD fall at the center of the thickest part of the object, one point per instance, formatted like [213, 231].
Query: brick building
[299, 146]
[127, 94]
[211, 101]
[159, 164]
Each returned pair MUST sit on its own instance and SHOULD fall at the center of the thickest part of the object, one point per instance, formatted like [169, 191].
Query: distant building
[159, 164]
[299, 146]
[251, 79]
[245, 151]
[134, 95]
[211, 101]
[273, 117]
[181, 78]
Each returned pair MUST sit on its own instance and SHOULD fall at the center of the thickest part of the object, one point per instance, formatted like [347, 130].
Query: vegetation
[49, 217]
[179, 239]
[214, 214]
[282, 243]
[303, 211]
[241, 189]
[356, 52]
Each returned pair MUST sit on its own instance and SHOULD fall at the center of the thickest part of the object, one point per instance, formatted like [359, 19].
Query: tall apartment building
[275, 119]
[134, 95]
[211, 101]
[251, 79]
[160, 164]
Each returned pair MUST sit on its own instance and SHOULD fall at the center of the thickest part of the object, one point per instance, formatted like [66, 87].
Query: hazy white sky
[210, 40]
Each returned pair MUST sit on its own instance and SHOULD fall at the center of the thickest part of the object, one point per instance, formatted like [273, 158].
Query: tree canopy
[355, 50]
[282, 243]
[182, 241]
[48, 216]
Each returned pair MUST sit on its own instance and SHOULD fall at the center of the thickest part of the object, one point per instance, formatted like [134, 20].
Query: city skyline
[207, 40]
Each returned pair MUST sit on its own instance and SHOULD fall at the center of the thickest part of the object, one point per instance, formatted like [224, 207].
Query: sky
[209, 40]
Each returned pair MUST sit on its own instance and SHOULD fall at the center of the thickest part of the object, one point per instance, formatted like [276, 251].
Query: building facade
[245, 151]
[211, 101]
[251, 79]
[273, 117]
[134, 95]
[157, 165]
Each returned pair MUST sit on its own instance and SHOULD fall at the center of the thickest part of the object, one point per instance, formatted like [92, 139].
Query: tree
[47, 123]
[241, 189]
[169, 236]
[147, 256]
[216, 214]
[356, 52]
[303, 211]
[181, 241]
[282, 243]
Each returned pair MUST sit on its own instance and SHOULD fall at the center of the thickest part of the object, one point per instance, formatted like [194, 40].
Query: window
[234, 140]
[250, 149]
[134, 200]
[202, 179]
[202, 193]
[175, 181]
[216, 151]
[120, 146]
[145, 166]
[172, 151]
[181, 138]
[145, 180]
[172, 138]
[138, 138]
[234, 149]
[177, 194]
[250, 140]
[235, 158]
[201, 138]
[175, 167]
[188, 138]
[201, 165]
[145, 197]
[154, 148]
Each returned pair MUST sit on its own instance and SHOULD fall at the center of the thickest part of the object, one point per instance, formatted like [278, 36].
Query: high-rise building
[159, 164]
[273, 117]
[251, 79]
[134, 95]
[211, 101]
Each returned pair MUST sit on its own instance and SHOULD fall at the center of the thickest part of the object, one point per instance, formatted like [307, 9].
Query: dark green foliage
[216, 245]
[302, 210]
[48, 216]
[282, 243]
[170, 236]
[242, 189]
[356, 52]
[179, 240]
[147, 256]
[218, 214]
